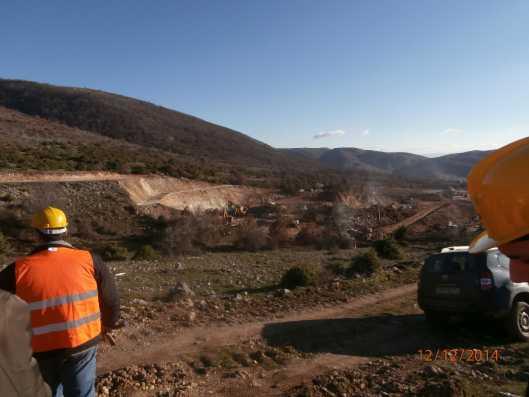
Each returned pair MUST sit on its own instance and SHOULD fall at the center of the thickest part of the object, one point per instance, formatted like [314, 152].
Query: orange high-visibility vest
[60, 287]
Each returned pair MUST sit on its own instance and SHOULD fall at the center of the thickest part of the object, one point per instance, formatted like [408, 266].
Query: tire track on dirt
[171, 347]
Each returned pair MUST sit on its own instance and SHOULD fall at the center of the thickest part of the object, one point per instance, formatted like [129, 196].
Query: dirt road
[201, 338]
[414, 218]
[386, 326]
[274, 357]
[29, 177]
[352, 333]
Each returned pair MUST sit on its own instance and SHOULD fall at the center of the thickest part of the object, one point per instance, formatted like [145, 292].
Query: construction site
[210, 308]
[353, 219]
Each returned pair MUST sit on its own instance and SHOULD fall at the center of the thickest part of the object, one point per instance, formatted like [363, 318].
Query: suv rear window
[454, 262]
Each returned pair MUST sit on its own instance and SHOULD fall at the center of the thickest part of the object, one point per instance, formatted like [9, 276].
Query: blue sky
[421, 76]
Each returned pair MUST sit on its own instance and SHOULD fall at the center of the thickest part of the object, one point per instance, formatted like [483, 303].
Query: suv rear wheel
[435, 319]
[518, 321]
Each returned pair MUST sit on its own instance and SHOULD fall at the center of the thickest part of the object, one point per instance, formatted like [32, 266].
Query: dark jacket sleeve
[7, 279]
[108, 293]
[19, 372]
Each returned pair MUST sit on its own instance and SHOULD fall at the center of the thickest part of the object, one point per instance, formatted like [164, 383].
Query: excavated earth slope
[183, 194]
[149, 190]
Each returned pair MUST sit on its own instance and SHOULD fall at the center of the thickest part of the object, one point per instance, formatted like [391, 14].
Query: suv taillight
[485, 281]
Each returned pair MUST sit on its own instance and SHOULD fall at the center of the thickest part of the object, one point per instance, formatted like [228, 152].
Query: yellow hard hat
[499, 188]
[50, 220]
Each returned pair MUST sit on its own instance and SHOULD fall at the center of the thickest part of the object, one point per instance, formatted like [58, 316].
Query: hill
[146, 124]
[407, 165]
[449, 167]
[369, 160]
[307, 153]
[142, 137]
[33, 143]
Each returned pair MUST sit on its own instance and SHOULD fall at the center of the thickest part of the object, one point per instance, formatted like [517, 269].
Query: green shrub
[328, 241]
[112, 165]
[7, 198]
[332, 241]
[145, 253]
[291, 185]
[309, 235]
[236, 178]
[365, 264]
[338, 268]
[388, 249]
[250, 237]
[207, 230]
[10, 224]
[278, 232]
[185, 234]
[4, 245]
[345, 243]
[177, 238]
[400, 233]
[115, 252]
[299, 276]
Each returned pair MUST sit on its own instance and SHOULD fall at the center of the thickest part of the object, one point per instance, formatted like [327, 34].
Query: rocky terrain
[364, 343]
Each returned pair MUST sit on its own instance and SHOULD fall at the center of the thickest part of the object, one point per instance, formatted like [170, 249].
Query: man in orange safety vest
[72, 298]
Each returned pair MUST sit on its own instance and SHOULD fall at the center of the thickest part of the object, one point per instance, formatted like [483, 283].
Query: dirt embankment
[149, 190]
[32, 177]
[181, 194]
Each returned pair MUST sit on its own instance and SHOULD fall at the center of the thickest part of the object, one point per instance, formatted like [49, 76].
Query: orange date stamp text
[459, 355]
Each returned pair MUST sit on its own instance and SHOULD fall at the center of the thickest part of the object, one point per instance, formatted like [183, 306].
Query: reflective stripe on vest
[61, 300]
[66, 325]
[60, 288]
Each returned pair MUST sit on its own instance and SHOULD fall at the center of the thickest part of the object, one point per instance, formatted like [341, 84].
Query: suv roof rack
[461, 248]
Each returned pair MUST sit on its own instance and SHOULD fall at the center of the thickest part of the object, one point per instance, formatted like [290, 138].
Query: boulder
[181, 289]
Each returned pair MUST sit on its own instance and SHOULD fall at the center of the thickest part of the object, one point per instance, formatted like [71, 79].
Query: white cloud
[453, 131]
[365, 132]
[328, 134]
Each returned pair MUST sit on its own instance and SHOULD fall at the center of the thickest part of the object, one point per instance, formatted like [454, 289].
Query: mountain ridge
[188, 141]
[451, 167]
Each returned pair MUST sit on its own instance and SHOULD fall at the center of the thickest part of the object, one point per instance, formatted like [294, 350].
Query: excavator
[232, 210]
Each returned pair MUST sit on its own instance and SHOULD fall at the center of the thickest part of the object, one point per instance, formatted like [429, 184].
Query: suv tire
[436, 319]
[518, 321]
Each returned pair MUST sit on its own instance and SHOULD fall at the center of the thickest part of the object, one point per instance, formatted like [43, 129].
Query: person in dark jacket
[73, 300]
[19, 372]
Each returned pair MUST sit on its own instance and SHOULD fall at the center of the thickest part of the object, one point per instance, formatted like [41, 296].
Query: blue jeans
[71, 376]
